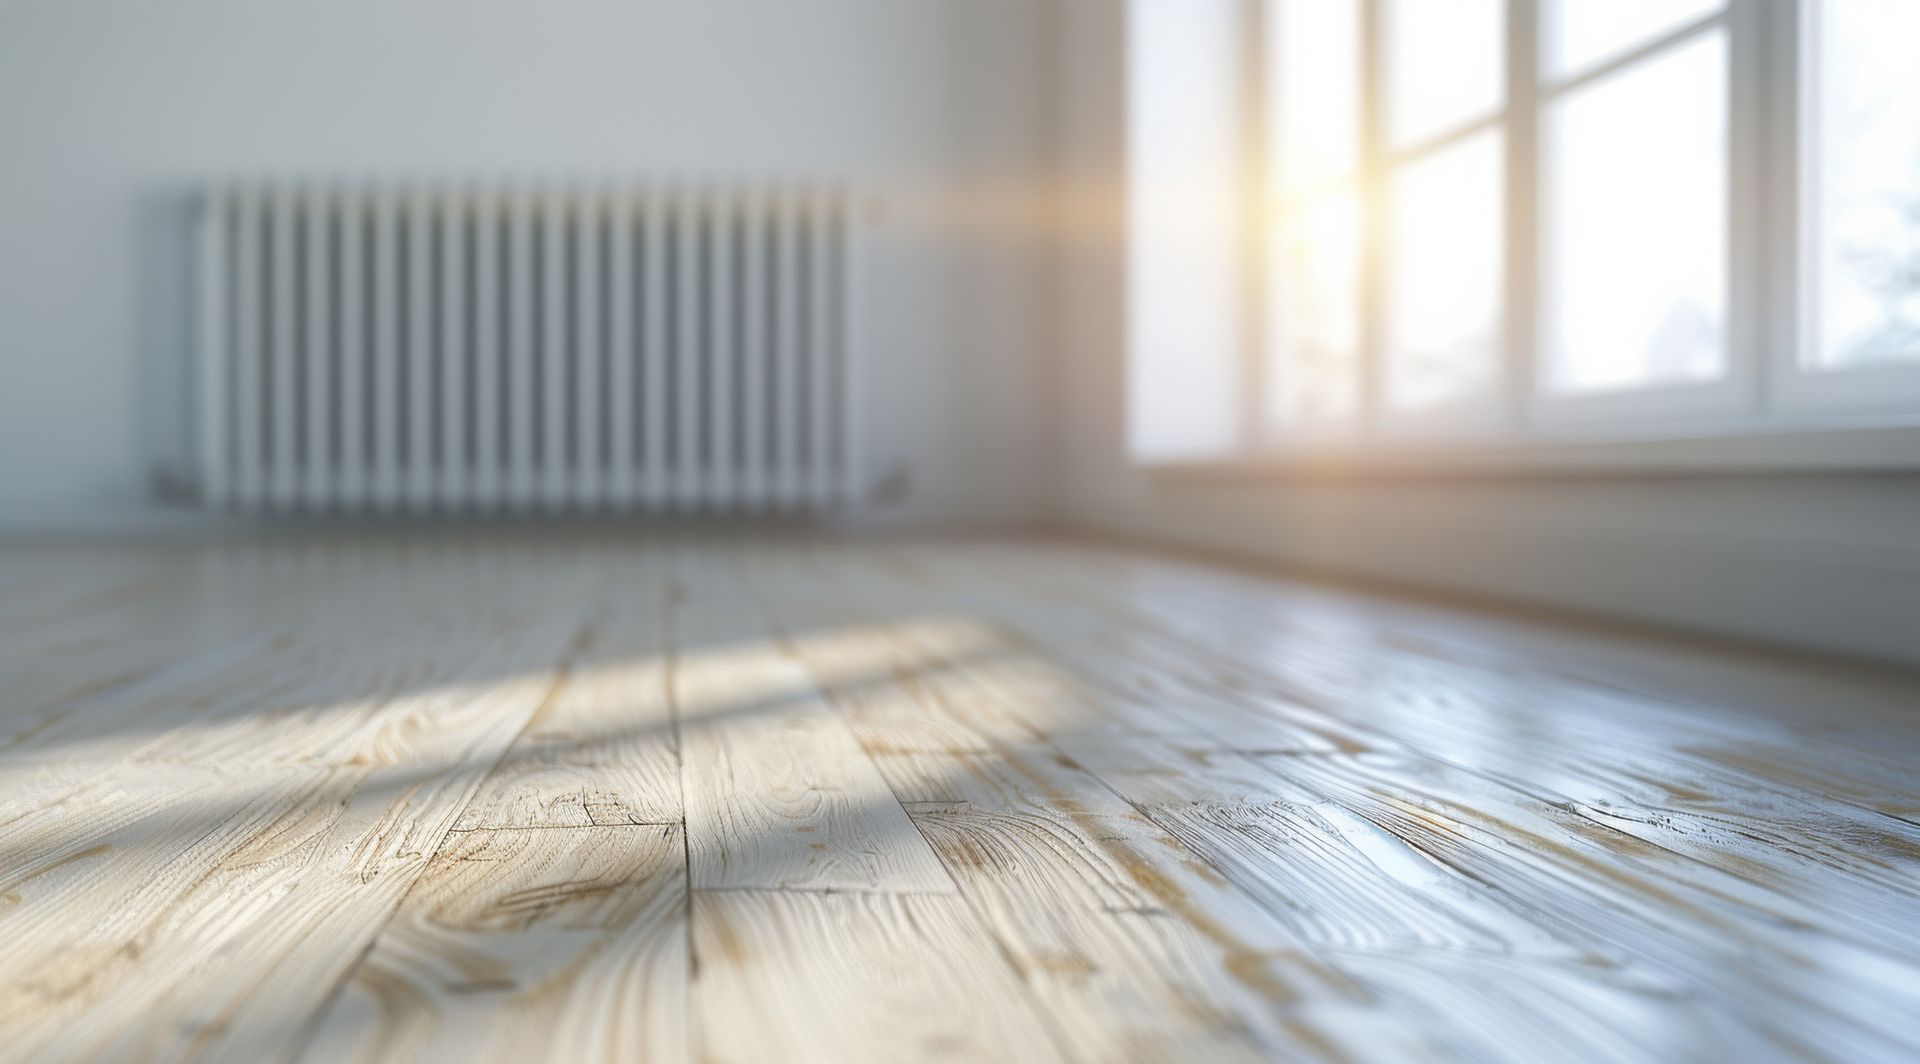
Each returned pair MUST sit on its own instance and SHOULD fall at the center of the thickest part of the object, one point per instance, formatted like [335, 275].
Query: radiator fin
[446, 347]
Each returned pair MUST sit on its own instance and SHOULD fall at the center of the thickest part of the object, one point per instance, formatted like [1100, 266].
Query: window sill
[1859, 447]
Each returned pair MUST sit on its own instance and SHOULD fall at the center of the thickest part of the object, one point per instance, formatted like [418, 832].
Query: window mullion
[1753, 243]
[1375, 222]
[1785, 149]
[1521, 333]
[1256, 208]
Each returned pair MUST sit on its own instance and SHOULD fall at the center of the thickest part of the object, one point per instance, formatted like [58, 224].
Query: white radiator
[457, 348]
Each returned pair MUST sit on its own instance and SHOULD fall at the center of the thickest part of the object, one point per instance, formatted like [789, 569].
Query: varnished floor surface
[779, 800]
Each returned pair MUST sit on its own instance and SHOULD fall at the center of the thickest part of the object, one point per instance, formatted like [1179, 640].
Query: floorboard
[851, 977]
[748, 797]
[527, 944]
[778, 792]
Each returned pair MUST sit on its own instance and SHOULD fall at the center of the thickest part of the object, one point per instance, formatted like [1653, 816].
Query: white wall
[1824, 561]
[111, 110]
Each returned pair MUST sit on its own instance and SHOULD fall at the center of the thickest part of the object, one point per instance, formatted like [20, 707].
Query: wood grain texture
[800, 976]
[1414, 715]
[205, 891]
[1131, 944]
[781, 797]
[1128, 939]
[527, 944]
[604, 749]
[778, 793]
[238, 905]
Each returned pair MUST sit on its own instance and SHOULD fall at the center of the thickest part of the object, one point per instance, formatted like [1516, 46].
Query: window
[1375, 220]
[1182, 116]
[1861, 311]
[1636, 262]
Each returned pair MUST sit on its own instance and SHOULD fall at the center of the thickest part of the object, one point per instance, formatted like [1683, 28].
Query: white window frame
[1794, 72]
[1794, 413]
[1732, 394]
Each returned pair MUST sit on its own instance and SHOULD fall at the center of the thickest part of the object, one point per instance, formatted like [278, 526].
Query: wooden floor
[765, 800]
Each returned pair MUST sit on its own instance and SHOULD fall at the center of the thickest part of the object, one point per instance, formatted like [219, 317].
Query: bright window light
[1581, 33]
[1867, 211]
[1358, 221]
[1444, 294]
[1313, 94]
[1314, 276]
[1444, 65]
[1184, 213]
[1313, 230]
[1636, 214]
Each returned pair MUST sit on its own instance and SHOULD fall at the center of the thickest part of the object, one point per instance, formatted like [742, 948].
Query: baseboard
[1764, 599]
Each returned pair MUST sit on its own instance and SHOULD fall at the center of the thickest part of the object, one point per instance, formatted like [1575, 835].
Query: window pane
[1313, 371]
[1183, 311]
[1581, 33]
[1636, 216]
[1446, 62]
[1444, 292]
[1868, 226]
[1313, 87]
[1313, 253]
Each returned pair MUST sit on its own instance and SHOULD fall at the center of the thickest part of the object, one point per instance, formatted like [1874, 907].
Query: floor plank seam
[1049, 1022]
[864, 892]
[569, 827]
[1255, 760]
[311, 1025]
[670, 666]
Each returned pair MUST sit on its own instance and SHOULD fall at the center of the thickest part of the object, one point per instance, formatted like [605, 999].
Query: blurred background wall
[986, 129]
[115, 109]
